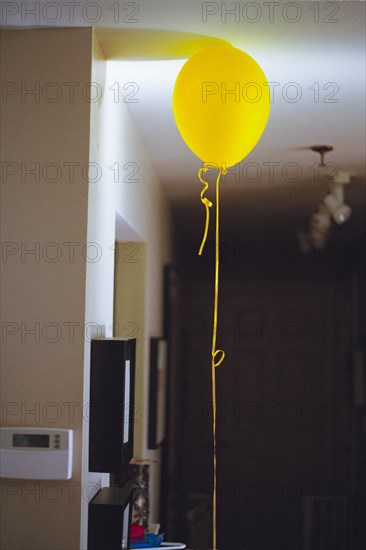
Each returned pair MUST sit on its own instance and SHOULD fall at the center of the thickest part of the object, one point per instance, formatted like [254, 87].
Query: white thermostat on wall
[36, 453]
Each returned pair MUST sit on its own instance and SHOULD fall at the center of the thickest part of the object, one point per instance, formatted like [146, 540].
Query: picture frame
[158, 391]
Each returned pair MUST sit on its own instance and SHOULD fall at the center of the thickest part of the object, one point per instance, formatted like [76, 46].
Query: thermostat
[36, 453]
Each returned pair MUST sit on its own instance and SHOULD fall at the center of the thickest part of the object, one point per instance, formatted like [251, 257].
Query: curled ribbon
[207, 204]
[218, 363]
[217, 355]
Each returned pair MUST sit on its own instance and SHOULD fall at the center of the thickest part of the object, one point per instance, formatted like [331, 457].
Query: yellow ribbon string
[214, 352]
[207, 204]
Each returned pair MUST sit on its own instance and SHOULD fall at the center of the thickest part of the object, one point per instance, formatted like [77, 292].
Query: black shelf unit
[111, 434]
[112, 390]
[110, 519]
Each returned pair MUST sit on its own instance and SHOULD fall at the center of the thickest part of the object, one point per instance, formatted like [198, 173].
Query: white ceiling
[323, 49]
[328, 57]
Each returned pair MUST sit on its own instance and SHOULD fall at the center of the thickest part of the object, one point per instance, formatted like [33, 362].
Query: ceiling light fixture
[334, 201]
[331, 208]
[321, 219]
[321, 149]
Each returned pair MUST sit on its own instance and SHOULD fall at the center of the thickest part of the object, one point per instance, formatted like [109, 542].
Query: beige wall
[44, 292]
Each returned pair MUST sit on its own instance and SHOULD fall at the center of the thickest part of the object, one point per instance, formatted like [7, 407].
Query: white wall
[99, 267]
[143, 204]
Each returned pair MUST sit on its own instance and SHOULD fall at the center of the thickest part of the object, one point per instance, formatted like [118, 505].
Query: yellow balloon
[221, 104]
